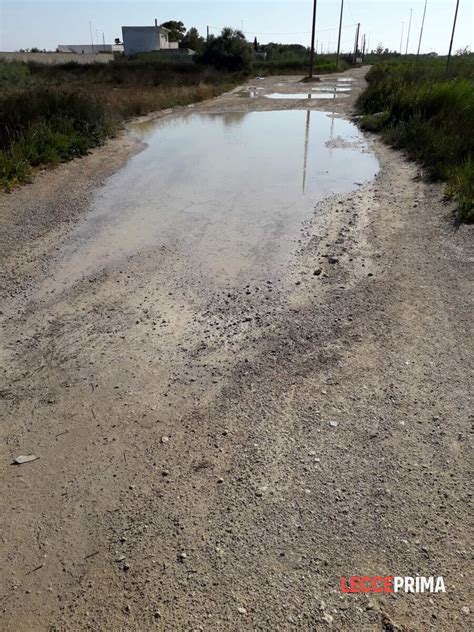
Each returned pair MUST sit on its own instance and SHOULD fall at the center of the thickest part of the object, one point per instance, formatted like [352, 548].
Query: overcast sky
[45, 23]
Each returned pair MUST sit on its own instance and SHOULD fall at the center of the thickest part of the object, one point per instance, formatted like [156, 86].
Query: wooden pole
[313, 31]
[356, 44]
[339, 36]
[452, 35]
[421, 30]
[408, 36]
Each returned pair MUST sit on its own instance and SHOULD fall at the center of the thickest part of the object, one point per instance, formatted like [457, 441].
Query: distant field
[298, 64]
[429, 113]
[57, 58]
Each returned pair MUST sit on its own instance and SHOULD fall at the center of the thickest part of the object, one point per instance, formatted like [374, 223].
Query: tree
[192, 40]
[255, 44]
[176, 30]
[229, 51]
[379, 49]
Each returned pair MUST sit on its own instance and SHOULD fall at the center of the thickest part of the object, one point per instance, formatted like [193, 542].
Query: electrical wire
[345, 26]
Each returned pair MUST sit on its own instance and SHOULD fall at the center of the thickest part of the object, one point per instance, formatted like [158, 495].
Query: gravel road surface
[216, 456]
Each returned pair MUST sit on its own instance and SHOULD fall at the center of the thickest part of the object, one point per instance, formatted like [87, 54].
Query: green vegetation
[292, 59]
[48, 126]
[429, 113]
[50, 114]
[323, 64]
[230, 51]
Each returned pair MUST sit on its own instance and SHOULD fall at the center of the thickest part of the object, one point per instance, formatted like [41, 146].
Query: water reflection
[301, 95]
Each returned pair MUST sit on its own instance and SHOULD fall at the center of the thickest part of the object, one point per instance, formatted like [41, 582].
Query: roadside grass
[51, 114]
[297, 65]
[428, 113]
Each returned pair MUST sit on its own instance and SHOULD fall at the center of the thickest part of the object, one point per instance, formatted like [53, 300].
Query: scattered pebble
[19, 460]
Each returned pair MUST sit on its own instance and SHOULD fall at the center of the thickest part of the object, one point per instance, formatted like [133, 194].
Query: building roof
[147, 26]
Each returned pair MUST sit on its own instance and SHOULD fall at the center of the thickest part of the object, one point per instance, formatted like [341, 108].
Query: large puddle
[226, 192]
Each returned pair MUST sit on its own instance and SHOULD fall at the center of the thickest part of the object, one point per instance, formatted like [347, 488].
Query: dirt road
[216, 455]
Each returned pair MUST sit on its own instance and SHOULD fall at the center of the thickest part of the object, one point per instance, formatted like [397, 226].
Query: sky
[46, 23]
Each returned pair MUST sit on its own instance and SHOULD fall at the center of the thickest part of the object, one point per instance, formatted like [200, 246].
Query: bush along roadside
[47, 127]
[430, 115]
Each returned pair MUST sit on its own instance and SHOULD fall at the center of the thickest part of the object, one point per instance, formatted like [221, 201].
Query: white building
[144, 39]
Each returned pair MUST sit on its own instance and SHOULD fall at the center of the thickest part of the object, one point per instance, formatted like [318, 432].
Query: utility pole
[452, 35]
[363, 46]
[207, 37]
[401, 37]
[103, 40]
[408, 36]
[339, 36]
[356, 43]
[92, 39]
[313, 30]
[421, 30]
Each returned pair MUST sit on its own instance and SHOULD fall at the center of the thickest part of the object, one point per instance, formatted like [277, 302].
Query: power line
[345, 26]
[350, 11]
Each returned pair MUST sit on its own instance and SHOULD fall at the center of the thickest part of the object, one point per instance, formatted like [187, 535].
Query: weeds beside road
[50, 114]
[420, 108]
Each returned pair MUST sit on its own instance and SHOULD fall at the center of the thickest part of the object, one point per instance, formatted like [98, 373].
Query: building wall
[58, 58]
[83, 49]
[140, 39]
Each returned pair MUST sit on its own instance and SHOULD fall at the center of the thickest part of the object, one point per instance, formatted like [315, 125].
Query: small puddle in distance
[300, 95]
[248, 94]
[226, 193]
[332, 88]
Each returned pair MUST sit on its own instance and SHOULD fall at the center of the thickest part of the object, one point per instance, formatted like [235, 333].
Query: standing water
[228, 191]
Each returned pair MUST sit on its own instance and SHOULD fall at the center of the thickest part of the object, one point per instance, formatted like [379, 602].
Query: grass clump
[428, 113]
[50, 126]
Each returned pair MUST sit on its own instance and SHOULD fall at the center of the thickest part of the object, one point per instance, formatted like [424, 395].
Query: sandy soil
[216, 461]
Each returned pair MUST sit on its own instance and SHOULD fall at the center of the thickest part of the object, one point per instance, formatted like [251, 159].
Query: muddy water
[225, 192]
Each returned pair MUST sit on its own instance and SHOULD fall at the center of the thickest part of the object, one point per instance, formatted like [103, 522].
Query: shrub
[229, 51]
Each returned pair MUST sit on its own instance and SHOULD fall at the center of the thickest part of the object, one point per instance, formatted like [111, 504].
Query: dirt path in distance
[217, 460]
